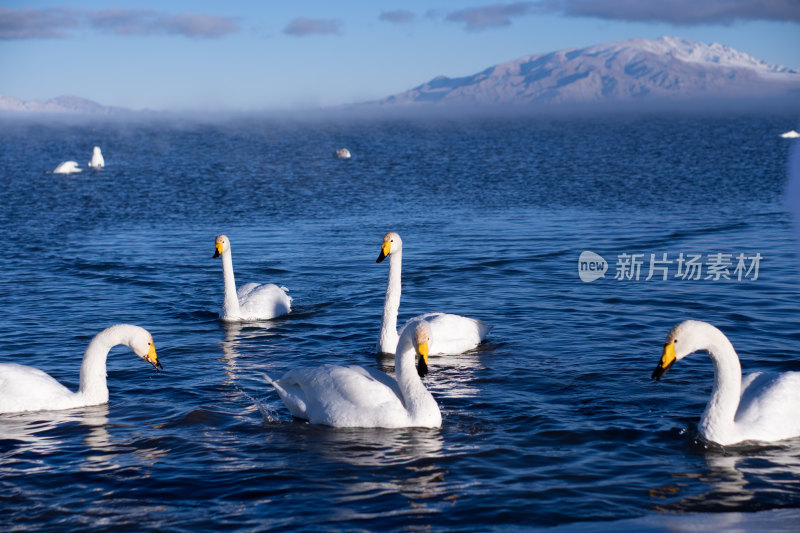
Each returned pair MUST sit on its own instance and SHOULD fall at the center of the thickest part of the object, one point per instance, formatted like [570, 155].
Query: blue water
[552, 422]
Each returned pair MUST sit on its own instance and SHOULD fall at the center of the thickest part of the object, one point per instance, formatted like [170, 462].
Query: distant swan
[67, 167]
[355, 396]
[452, 334]
[790, 135]
[762, 407]
[252, 301]
[24, 388]
[97, 159]
[343, 153]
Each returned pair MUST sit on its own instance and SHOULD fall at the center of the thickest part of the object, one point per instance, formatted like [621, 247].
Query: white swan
[762, 407]
[354, 396]
[452, 334]
[24, 388]
[791, 134]
[252, 301]
[67, 167]
[343, 153]
[97, 159]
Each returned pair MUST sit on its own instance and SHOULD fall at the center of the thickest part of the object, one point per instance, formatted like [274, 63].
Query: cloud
[133, 22]
[301, 27]
[53, 23]
[397, 17]
[200, 25]
[36, 23]
[677, 12]
[481, 18]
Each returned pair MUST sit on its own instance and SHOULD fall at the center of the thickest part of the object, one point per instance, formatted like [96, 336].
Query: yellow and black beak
[667, 360]
[152, 358]
[422, 364]
[217, 250]
[386, 249]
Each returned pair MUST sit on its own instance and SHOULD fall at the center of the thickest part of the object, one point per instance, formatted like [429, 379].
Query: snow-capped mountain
[667, 69]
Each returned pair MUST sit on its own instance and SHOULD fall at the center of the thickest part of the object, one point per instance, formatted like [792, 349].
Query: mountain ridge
[634, 70]
[65, 104]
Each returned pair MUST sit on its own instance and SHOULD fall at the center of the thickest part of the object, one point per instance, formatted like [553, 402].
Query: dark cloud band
[675, 12]
[678, 12]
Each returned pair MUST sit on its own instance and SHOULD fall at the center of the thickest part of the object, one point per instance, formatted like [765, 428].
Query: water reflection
[737, 479]
[41, 432]
[384, 462]
[242, 338]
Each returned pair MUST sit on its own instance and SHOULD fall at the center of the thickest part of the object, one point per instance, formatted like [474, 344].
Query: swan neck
[230, 305]
[726, 393]
[387, 341]
[417, 399]
[93, 385]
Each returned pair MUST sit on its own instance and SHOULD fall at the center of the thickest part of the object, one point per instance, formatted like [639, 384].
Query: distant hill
[669, 69]
[61, 104]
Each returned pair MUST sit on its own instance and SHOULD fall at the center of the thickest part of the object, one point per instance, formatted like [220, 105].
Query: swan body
[452, 334]
[791, 134]
[24, 388]
[67, 167]
[97, 159]
[354, 396]
[343, 153]
[252, 301]
[761, 407]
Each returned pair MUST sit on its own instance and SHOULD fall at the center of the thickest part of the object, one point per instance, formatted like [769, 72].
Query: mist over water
[554, 421]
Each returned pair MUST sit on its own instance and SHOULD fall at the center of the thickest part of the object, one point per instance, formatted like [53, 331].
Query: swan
[343, 153]
[761, 407]
[791, 134]
[97, 159]
[452, 334]
[354, 396]
[67, 167]
[24, 388]
[252, 301]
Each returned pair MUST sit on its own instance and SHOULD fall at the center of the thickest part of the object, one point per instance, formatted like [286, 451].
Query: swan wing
[24, 388]
[769, 408]
[246, 289]
[263, 301]
[340, 396]
[451, 334]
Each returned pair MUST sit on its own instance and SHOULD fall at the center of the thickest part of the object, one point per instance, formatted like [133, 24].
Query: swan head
[141, 342]
[422, 340]
[391, 243]
[686, 338]
[221, 245]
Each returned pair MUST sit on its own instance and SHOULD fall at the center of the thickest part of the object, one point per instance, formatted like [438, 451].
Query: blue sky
[237, 55]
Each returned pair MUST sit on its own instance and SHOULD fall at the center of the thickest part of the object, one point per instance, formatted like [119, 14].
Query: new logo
[591, 266]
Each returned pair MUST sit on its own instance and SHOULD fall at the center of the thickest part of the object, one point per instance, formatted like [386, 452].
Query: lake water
[554, 422]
